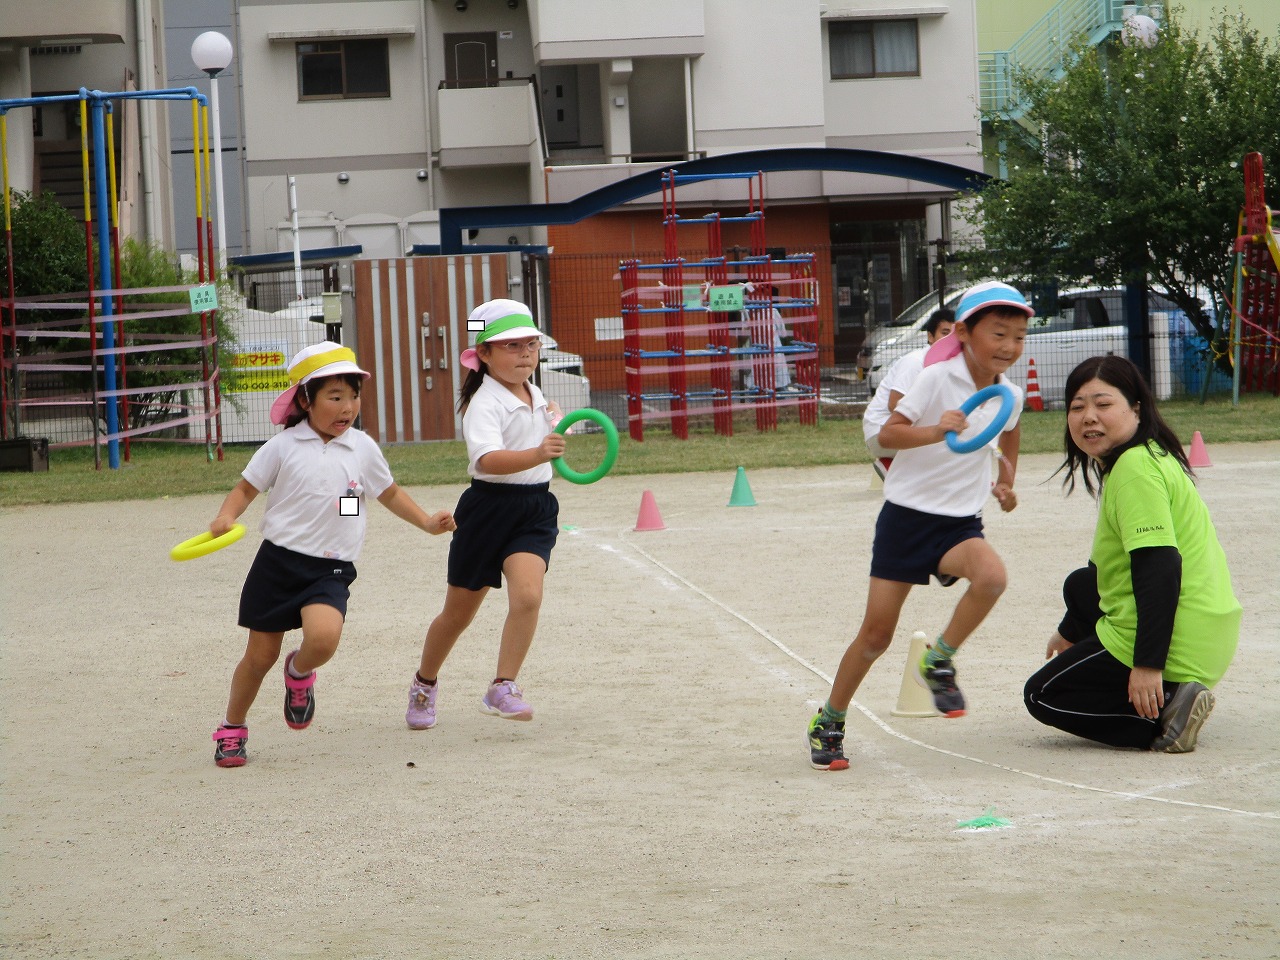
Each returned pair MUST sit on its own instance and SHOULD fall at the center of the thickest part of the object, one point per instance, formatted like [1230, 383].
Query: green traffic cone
[741, 496]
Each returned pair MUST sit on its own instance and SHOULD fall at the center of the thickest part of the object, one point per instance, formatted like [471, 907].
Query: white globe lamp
[211, 52]
[1140, 30]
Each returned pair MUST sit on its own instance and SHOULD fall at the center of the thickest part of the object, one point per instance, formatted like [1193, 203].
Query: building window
[343, 69]
[873, 48]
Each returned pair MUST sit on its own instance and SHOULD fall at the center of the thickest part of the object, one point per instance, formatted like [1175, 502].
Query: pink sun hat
[993, 293]
[325, 359]
[496, 320]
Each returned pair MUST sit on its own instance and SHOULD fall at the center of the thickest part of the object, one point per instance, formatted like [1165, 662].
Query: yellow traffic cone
[913, 699]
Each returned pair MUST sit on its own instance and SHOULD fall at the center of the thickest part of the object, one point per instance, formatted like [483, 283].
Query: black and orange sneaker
[826, 744]
[940, 680]
[230, 751]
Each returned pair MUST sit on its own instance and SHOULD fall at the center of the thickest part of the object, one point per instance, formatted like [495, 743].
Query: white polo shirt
[307, 478]
[900, 375]
[934, 478]
[496, 419]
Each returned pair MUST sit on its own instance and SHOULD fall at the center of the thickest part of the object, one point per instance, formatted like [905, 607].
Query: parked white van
[1084, 322]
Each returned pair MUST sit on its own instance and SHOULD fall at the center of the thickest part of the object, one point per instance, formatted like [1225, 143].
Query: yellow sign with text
[260, 371]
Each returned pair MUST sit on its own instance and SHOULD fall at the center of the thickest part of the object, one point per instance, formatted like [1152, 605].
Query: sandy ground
[661, 804]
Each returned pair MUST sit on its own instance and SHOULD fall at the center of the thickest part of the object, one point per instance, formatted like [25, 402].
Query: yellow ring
[206, 543]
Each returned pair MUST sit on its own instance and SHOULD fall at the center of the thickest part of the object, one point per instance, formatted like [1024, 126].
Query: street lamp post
[211, 52]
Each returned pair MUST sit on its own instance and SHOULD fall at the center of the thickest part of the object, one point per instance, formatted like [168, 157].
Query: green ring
[611, 446]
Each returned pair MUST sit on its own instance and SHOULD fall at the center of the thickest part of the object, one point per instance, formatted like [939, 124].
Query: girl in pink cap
[318, 471]
[507, 518]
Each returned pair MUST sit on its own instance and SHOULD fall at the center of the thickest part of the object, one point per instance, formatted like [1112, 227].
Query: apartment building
[57, 47]
[384, 112]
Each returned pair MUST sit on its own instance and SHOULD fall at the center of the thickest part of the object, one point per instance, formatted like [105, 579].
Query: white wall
[379, 143]
[759, 84]
[578, 30]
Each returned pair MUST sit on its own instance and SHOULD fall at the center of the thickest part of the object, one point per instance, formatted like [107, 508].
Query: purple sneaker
[506, 701]
[422, 706]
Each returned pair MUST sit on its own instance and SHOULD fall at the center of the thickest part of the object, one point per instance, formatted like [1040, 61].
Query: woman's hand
[1057, 644]
[1146, 691]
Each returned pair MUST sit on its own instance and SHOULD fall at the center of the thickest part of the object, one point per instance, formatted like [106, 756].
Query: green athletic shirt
[1149, 501]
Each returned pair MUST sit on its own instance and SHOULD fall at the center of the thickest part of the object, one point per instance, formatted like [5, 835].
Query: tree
[1129, 164]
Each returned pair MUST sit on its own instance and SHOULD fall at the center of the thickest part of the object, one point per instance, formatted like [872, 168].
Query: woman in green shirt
[1151, 623]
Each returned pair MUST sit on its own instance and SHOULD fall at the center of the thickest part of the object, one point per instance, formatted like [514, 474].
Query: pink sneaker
[421, 714]
[299, 696]
[506, 701]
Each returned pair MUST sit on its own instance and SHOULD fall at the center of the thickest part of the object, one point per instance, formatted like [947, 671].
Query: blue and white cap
[993, 293]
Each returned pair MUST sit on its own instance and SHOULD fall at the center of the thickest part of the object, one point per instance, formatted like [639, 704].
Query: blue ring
[1001, 390]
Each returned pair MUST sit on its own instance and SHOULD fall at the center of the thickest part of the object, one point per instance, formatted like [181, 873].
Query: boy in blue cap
[931, 521]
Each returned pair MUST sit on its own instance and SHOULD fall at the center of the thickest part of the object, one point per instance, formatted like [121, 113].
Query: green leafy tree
[1130, 164]
[48, 258]
[143, 266]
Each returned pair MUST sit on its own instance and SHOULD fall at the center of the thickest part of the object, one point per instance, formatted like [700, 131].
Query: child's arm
[238, 500]
[403, 506]
[1010, 441]
[899, 433]
[502, 462]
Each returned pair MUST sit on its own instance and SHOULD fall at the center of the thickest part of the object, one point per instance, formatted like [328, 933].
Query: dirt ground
[660, 805]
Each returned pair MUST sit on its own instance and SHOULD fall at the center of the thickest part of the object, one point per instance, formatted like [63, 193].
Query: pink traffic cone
[649, 517]
[1199, 456]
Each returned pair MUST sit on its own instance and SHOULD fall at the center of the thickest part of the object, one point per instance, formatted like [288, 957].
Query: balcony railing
[1046, 48]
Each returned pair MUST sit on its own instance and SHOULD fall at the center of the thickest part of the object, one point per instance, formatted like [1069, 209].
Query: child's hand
[1003, 492]
[951, 420]
[221, 524]
[441, 522]
[552, 446]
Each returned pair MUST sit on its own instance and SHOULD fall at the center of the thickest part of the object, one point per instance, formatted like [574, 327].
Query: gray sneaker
[1182, 718]
[421, 714]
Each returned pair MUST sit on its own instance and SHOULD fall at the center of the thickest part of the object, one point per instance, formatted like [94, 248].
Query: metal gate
[411, 325]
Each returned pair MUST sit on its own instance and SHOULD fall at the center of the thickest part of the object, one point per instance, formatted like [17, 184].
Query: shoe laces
[229, 743]
[299, 697]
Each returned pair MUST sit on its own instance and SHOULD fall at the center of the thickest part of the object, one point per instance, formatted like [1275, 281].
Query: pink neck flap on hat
[944, 348]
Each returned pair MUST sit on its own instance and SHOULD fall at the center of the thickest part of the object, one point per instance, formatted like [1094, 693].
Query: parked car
[1073, 326]
[560, 376]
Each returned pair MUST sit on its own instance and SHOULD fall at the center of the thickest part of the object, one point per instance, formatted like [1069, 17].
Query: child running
[507, 517]
[318, 471]
[931, 521]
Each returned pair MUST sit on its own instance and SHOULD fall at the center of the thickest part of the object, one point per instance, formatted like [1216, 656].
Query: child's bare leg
[981, 566]
[260, 655]
[460, 608]
[525, 573]
[321, 631]
[884, 605]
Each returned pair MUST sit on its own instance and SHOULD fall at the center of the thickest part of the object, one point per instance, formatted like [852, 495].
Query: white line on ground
[1267, 814]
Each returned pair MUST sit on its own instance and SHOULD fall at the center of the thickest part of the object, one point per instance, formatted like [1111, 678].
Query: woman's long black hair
[1124, 375]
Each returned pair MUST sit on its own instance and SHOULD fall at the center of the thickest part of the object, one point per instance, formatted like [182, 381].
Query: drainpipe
[146, 118]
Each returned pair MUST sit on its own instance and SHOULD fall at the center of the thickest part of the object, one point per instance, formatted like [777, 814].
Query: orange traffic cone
[1034, 400]
[649, 517]
[1199, 456]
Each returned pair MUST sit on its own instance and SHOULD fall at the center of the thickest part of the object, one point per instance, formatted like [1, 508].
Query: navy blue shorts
[496, 520]
[281, 582]
[910, 544]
